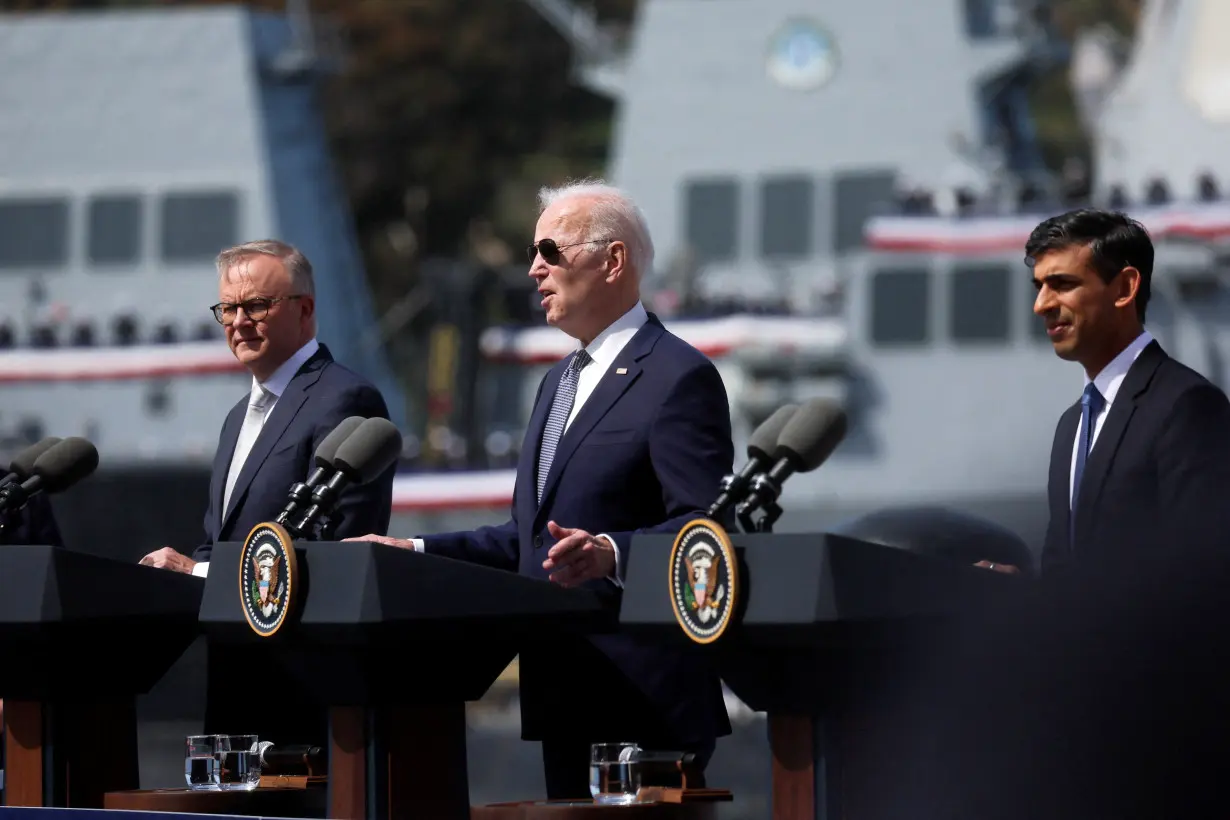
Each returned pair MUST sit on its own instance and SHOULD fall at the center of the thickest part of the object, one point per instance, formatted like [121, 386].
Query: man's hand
[578, 556]
[167, 558]
[404, 543]
[1008, 569]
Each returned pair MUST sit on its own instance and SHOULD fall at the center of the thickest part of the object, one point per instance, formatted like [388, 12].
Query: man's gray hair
[612, 216]
[297, 265]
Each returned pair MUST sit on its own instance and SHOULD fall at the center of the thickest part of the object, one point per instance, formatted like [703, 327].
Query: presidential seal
[268, 578]
[704, 578]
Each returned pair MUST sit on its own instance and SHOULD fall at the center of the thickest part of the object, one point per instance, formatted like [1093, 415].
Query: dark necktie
[1091, 405]
[561, 406]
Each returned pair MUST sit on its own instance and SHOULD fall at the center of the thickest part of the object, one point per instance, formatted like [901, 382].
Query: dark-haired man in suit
[1142, 461]
[298, 395]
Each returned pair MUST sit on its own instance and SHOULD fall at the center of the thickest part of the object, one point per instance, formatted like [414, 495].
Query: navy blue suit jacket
[646, 453]
[319, 396]
[1155, 482]
[36, 524]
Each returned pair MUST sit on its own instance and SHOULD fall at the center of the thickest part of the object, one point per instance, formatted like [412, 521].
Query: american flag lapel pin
[621, 371]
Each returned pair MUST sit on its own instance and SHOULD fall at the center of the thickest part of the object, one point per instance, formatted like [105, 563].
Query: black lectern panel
[63, 611]
[369, 609]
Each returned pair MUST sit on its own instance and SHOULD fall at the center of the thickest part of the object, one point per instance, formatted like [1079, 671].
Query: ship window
[196, 226]
[712, 219]
[787, 213]
[900, 307]
[981, 303]
[856, 197]
[114, 230]
[33, 233]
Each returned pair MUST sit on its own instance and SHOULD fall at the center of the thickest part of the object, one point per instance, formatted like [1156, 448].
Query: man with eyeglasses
[630, 434]
[298, 395]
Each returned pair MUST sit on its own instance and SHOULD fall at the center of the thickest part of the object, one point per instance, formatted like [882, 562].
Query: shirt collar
[607, 345]
[1111, 378]
[278, 382]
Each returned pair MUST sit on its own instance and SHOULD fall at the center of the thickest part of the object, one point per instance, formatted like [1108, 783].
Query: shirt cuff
[418, 545]
[201, 569]
[617, 578]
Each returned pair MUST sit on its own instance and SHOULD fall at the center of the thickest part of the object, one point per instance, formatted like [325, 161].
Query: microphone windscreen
[812, 434]
[371, 449]
[327, 449]
[23, 462]
[66, 463]
[763, 440]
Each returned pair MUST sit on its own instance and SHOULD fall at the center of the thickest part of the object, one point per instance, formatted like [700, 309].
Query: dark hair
[1115, 242]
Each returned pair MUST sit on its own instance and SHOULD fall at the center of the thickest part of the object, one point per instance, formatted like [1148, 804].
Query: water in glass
[238, 770]
[614, 773]
[201, 762]
[201, 772]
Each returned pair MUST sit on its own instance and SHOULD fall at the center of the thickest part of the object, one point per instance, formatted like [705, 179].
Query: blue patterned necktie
[1091, 406]
[561, 406]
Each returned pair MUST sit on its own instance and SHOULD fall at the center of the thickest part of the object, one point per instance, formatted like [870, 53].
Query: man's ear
[616, 261]
[1128, 285]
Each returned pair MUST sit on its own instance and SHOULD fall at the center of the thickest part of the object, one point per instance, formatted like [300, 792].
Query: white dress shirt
[276, 384]
[604, 349]
[1108, 383]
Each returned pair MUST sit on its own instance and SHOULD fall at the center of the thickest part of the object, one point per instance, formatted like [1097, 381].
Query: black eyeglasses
[550, 250]
[255, 309]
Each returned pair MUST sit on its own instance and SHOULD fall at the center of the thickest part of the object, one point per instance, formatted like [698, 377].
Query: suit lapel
[1102, 456]
[620, 375]
[1060, 482]
[280, 418]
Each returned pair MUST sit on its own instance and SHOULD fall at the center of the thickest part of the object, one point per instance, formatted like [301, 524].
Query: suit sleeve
[496, 546]
[691, 447]
[365, 508]
[1193, 462]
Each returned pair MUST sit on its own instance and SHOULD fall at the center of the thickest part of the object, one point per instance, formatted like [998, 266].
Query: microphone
[759, 454]
[806, 441]
[370, 450]
[61, 466]
[22, 465]
[301, 493]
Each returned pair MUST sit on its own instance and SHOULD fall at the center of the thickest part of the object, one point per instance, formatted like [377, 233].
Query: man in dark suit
[630, 434]
[1141, 462]
[1122, 690]
[298, 395]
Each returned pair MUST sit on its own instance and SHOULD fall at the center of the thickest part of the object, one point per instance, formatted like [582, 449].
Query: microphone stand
[772, 511]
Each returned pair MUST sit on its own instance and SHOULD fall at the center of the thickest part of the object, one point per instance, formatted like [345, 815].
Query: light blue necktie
[561, 406]
[1091, 405]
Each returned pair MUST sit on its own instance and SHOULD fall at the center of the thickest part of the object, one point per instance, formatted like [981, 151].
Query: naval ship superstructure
[134, 145]
[840, 207]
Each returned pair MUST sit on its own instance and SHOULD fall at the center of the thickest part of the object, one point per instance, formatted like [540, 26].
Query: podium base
[260, 802]
[704, 809]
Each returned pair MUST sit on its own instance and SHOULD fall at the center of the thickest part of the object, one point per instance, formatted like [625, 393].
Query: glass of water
[201, 762]
[239, 763]
[614, 773]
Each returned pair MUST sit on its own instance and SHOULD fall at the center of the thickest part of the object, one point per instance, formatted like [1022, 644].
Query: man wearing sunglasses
[298, 394]
[630, 434]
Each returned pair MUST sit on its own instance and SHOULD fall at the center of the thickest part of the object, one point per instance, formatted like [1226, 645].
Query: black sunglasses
[550, 250]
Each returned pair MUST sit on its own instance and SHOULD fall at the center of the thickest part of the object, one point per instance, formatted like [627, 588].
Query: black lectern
[396, 642]
[80, 637]
[827, 633]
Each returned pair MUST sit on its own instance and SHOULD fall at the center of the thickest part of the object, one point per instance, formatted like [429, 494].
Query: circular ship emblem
[268, 578]
[704, 580]
[802, 56]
